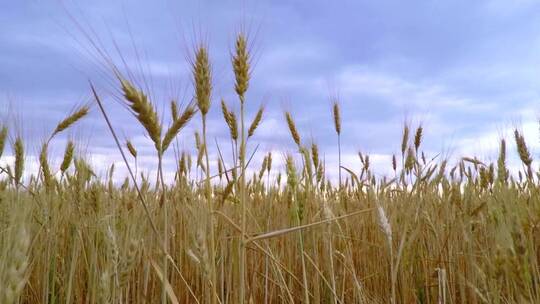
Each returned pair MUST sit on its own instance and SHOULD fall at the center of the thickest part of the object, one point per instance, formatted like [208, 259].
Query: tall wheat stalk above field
[241, 67]
[337, 126]
[203, 89]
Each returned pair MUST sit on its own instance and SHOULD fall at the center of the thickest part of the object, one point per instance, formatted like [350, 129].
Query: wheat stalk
[241, 68]
[337, 126]
[16, 266]
[386, 228]
[202, 78]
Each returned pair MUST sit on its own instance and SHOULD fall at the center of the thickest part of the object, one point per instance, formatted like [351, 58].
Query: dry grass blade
[474, 161]
[353, 175]
[164, 281]
[280, 232]
[139, 194]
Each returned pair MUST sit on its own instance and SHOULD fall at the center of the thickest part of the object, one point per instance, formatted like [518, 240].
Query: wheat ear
[68, 156]
[177, 125]
[144, 111]
[256, 121]
[71, 119]
[3, 138]
[292, 128]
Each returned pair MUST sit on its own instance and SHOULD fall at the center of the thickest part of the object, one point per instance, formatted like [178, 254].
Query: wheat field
[434, 231]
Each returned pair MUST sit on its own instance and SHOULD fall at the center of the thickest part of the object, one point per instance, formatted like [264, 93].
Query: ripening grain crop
[436, 231]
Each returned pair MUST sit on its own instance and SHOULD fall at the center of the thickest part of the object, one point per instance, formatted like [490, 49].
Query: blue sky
[468, 70]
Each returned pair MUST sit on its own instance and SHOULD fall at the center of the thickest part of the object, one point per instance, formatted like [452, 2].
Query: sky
[468, 71]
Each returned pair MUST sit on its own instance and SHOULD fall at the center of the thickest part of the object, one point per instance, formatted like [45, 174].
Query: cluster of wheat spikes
[436, 231]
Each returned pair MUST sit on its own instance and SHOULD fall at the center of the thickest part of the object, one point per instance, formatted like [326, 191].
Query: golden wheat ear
[131, 148]
[502, 171]
[256, 121]
[18, 147]
[68, 157]
[71, 119]
[230, 119]
[177, 125]
[523, 151]
[241, 66]
[174, 110]
[405, 139]
[418, 137]
[292, 128]
[3, 138]
[44, 164]
[337, 117]
[203, 79]
[143, 110]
